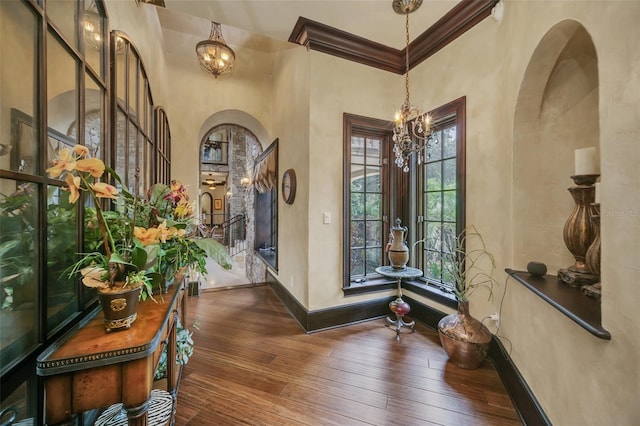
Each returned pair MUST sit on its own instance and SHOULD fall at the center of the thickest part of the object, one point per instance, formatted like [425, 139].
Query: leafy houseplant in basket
[464, 338]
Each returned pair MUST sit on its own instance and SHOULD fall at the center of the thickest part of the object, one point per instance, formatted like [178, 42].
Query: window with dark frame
[431, 207]
[41, 232]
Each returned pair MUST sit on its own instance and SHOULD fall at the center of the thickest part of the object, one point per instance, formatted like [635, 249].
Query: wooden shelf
[584, 310]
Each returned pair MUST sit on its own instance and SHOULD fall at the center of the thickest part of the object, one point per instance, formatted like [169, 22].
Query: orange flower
[104, 190]
[163, 232]
[64, 162]
[146, 236]
[73, 186]
[94, 166]
[81, 150]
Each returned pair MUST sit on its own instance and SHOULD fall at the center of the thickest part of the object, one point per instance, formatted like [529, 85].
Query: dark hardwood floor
[253, 364]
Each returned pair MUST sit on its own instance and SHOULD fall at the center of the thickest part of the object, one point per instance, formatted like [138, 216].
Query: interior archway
[556, 113]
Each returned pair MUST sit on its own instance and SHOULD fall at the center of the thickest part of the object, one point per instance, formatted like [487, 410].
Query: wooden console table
[89, 369]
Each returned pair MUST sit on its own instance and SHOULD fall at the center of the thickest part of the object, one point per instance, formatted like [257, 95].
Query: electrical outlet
[495, 318]
[326, 218]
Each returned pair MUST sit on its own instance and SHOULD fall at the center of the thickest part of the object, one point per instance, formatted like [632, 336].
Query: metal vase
[464, 338]
[119, 307]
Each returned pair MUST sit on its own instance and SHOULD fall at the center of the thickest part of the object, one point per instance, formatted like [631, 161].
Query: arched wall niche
[556, 113]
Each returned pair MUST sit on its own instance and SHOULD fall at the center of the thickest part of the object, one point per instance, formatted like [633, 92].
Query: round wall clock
[289, 186]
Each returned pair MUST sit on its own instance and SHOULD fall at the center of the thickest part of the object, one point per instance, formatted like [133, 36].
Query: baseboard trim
[525, 403]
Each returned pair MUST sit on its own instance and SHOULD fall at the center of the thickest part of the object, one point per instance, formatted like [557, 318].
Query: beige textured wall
[291, 127]
[577, 378]
[337, 86]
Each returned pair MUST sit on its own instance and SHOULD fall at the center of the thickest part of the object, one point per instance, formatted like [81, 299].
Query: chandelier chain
[406, 56]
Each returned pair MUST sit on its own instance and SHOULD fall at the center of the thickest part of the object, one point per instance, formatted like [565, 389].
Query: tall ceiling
[374, 20]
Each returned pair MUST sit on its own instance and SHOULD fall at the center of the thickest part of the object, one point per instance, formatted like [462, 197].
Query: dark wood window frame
[397, 205]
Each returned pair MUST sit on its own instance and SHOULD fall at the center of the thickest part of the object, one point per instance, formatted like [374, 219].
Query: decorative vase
[577, 233]
[464, 338]
[398, 251]
[119, 306]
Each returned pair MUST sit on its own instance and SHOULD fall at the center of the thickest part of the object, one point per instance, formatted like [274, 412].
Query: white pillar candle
[586, 162]
[597, 185]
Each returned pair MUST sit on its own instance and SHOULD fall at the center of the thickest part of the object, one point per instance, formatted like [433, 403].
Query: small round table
[399, 306]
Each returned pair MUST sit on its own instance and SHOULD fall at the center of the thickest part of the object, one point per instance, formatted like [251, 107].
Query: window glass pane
[434, 148]
[450, 142]
[373, 153]
[62, 13]
[93, 122]
[142, 103]
[357, 233]
[374, 234]
[449, 179]
[357, 262]
[433, 264]
[61, 89]
[374, 206]
[133, 87]
[121, 81]
[434, 176]
[357, 178]
[434, 206]
[20, 404]
[62, 237]
[132, 158]
[449, 206]
[19, 242]
[92, 26]
[373, 182]
[357, 206]
[121, 144]
[357, 150]
[18, 88]
[374, 259]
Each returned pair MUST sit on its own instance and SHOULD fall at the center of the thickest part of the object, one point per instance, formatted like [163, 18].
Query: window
[441, 188]
[54, 97]
[162, 147]
[366, 225]
[134, 148]
[429, 199]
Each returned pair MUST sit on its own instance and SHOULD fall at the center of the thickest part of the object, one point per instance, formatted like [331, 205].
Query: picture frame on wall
[217, 204]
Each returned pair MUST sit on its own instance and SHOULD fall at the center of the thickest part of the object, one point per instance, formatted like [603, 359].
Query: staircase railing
[232, 233]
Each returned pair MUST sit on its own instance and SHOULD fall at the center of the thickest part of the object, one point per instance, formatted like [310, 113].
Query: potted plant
[467, 261]
[136, 248]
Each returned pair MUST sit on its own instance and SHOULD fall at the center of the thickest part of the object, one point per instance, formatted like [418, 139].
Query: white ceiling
[259, 23]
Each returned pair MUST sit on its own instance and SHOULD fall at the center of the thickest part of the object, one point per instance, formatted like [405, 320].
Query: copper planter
[464, 338]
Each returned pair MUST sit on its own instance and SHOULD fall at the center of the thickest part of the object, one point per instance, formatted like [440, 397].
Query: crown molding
[323, 38]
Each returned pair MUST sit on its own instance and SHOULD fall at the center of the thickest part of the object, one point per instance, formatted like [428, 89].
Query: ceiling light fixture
[412, 129]
[92, 26]
[214, 55]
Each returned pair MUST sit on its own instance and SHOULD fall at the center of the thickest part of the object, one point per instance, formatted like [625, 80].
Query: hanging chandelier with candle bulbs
[215, 56]
[412, 126]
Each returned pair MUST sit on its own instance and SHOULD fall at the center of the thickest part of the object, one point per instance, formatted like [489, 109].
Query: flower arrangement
[144, 241]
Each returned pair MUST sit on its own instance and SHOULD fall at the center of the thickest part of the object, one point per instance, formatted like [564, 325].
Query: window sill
[431, 292]
[369, 286]
[584, 310]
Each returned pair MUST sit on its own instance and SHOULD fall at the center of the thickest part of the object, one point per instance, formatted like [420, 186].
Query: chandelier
[92, 26]
[412, 126]
[215, 56]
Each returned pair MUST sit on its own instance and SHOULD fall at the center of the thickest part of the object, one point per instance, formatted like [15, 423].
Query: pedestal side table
[398, 306]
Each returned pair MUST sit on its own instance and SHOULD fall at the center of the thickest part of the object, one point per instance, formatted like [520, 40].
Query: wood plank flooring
[253, 365]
